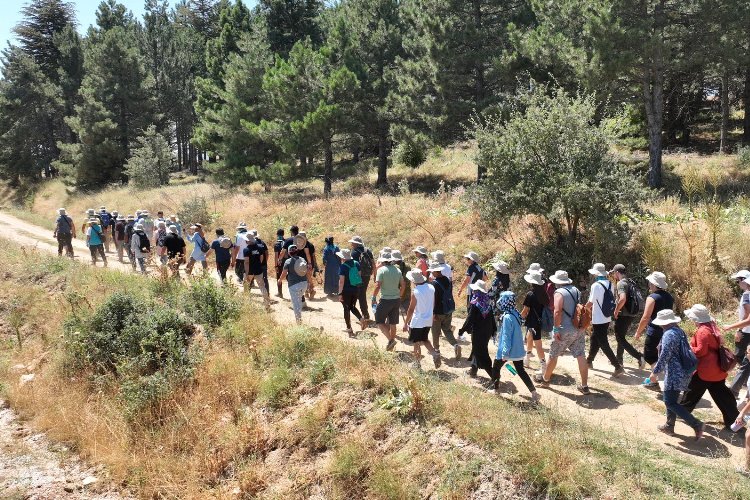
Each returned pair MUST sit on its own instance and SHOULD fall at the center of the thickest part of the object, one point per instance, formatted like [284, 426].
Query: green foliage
[195, 209]
[276, 388]
[743, 157]
[322, 370]
[410, 154]
[289, 22]
[209, 303]
[409, 403]
[151, 161]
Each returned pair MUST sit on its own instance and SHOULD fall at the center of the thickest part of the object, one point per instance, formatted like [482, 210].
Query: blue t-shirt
[95, 236]
[223, 255]
[344, 271]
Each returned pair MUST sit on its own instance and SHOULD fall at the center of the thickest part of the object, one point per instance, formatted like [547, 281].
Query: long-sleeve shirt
[510, 339]
[676, 377]
[705, 344]
[476, 323]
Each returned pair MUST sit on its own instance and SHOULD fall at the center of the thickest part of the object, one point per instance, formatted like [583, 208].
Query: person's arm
[232, 261]
[469, 321]
[648, 309]
[342, 280]
[464, 283]
[283, 274]
[410, 312]
[701, 344]
[525, 312]
[621, 299]
[740, 324]
[665, 354]
[247, 269]
[557, 315]
[376, 291]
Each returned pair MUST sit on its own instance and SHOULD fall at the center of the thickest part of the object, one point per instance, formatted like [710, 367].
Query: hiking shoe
[457, 350]
[618, 371]
[363, 323]
[666, 429]
[472, 372]
[583, 389]
[494, 387]
[653, 386]
[436, 360]
[539, 378]
[526, 361]
[535, 397]
[390, 345]
[349, 331]
[641, 363]
[699, 431]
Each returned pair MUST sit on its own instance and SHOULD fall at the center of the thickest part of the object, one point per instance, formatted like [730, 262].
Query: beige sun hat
[416, 276]
[90, 211]
[438, 256]
[357, 240]
[501, 267]
[241, 225]
[300, 240]
[535, 267]
[561, 278]
[534, 278]
[472, 256]
[345, 254]
[173, 229]
[396, 255]
[139, 227]
[741, 275]
[435, 267]
[666, 317]
[386, 250]
[658, 279]
[480, 285]
[598, 269]
[421, 250]
[699, 313]
[385, 257]
[61, 211]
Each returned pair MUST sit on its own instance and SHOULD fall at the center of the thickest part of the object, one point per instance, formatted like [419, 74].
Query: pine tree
[70, 73]
[151, 161]
[290, 21]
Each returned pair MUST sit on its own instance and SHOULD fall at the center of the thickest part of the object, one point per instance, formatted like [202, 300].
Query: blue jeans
[297, 292]
[675, 409]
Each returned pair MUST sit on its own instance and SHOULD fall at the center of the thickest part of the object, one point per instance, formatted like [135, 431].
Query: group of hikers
[421, 295]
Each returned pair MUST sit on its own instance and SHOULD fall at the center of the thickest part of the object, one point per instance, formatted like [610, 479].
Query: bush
[195, 210]
[276, 388]
[743, 157]
[210, 304]
[151, 161]
[410, 154]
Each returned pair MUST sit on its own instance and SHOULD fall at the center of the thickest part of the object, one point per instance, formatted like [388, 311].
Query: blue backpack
[106, 218]
[608, 304]
[547, 321]
[688, 359]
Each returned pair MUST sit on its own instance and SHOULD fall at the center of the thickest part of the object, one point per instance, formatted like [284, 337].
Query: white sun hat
[598, 269]
[561, 278]
[666, 317]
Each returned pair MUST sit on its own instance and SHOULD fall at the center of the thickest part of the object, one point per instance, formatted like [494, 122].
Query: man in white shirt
[602, 304]
[238, 253]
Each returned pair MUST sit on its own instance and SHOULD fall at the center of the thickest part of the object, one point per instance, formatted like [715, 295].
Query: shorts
[419, 334]
[651, 348]
[536, 333]
[574, 341]
[387, 311]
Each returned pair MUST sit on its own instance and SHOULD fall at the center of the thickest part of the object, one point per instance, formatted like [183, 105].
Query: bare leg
[539, 349]
[551, 364]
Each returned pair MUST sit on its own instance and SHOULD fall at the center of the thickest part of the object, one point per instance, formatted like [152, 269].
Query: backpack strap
[576, 299]
[609, 287]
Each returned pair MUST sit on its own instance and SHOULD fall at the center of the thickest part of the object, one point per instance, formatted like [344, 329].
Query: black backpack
[366, 262]
[634, 303]
[145, 244]
[449, 304]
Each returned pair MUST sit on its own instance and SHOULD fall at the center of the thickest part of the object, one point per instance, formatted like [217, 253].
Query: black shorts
[419, 334]
[650, 348]
[536, 333]
[387, 311]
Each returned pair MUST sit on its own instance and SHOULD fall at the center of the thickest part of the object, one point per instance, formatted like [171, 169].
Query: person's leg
[69, 245]
[497, 365]
[265, 282]
[622, 326]
[263, 290]
[295, 293]
[189, 266]
[524, 375]
[362, 291]
[437, 321]
[92, 251]
[104, 256]
[743, 370]
[529, 340]
[60, 245]
[351, 298]
[670, 401]
[603, 330]
[651, 352]
[593, 345]
[695, 391]
[577, 346]
[540, 351]
[204, 265]
[724, 401]
[347, 312]
[583, 369]
[142, 264]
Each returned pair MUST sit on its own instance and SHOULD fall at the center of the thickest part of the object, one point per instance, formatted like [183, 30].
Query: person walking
[474, 273]
[175, 246]
[65, 231]
[480, 323]
[295, 272]
[278, 261]
[389, 283]
[439, 257]
[89, 214]
[658, 300]
[148, 224]
[510, 344]
[500, 283]
[174, 221]
[419, 317]
[331, 267]
[140, 247]
[421, 254]
[350, 280]
[602, 305]
[200, 247]
[677, 370]
[129, 230]
[222, 249]
[105, 219]
[366, 260]
[160, 232]
[742, 335]
[445, 306]
[255, 254]
[264, 263]
[398, 261]
[565, 336]
[709, 376]
[112, 226]
[623, 315]
[118, 236]
[95, 241]
[534, 309]
[238, 252]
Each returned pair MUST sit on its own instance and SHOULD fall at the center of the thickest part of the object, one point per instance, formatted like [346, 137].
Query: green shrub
[322, 370]
[145, 397]
[209, 303]
[276, 388]
[743, 157]
[195, 210]
[410, 154]
[295, 348]
[151, 161]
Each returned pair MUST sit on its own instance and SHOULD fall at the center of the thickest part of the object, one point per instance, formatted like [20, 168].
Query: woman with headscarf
[481, 323]
[510, 344]
[500, 283]
[332, 266]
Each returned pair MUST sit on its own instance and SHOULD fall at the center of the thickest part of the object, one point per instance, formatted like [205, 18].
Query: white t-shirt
[744, 299]
[447, 271]
[596, 297]
[241, 243]
[422, 316]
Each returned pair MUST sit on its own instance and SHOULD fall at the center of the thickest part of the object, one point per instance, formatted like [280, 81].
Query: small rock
[69, 488]
[89, 481]
[25, 379]
[19, 368]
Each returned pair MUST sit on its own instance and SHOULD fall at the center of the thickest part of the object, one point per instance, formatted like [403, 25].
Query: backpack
[688, 359]
[300, 266]
[354, 278]
[106, 218]
[366, 262]
[608, 304]
[449, 304]
[547, 321]
[581, 317]
[60, 230]
[145, 244]
[160, 238]
[634, 303]
[203, 244]
[225, 243]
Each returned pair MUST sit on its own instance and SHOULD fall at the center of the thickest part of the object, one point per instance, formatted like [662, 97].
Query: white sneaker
[535, 397]
[462, 337]
[543, 366]
[526, 361]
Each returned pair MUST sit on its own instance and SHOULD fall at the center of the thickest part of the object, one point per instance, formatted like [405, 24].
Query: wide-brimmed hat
[173, 229]
[250, 239]
[242, 225]
[90, 211]
[501, 267]
[416, 276]
[344, 254]
[225, 243]
[145, 212]
[598, 269]
[619, 268]
[396, 254]
[130, 217]
[480, 285]
[292, 248]
[94, 221]
[120, 217]
[561, 278]
[436, 267]
[699, 313]
[173, 217]
[658, 279]
[357, 240]
[300, 240]
[61, 211]
[386, 250]
[741, 275]
[139, 227]
[161, 223]
[534, 278]
[535, 267]
[115, 212]
[102, 208]
[438, 256]
[420, 250]
[472, 256]
[666, 317]
[254, 232]
[385, 257]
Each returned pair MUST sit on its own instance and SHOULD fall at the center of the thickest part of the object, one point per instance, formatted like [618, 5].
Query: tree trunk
[479, 82]
[328, 172]
[653, 96]
[179, 151]
[302, 163]
[382, 157]
[724, 135]
[355, 155]
[746, 105]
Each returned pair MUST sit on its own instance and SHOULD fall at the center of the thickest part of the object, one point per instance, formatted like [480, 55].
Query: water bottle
[736, 427]
[374, 307]
[511, 369]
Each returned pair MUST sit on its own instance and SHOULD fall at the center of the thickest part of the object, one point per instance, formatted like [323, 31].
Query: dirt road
[619, 404]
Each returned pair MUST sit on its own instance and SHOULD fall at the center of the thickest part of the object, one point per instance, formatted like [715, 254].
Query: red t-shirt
[423, 266]
[705, 344]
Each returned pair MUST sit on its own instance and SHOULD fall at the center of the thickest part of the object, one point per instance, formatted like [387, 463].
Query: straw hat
[115, 212]
[254, 232]
[666, 317]
[357, 240]
[598, 269]
[103, 208]
[480, 285]
[436, 267]
[385, 257]
[561, 278]
[658, 279]
[699, 313]
[344, 254]
[396, 254]
[416, 276]
[420, 250]
[472, 256]
[501, 267]
[534, 278]
[741, 275]
[438, 256]
[535, 267]
[61, 211]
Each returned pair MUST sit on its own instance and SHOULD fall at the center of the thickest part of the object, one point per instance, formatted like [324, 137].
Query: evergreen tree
[290, 21]
[151, 161]
[70, 73]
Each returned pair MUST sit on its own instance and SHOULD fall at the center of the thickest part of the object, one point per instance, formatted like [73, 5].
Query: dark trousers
[349, 301]
[743, 369]
[622, 325]
[279, 270]
[65, 241]
[720, 393]
[97, 249]
[222, 267]
[239, 269]
[599, 340]
[265, 279]
[498, 364]
[480, 354]
[362, 296]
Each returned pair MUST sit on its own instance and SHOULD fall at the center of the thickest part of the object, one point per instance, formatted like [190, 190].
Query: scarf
[482, 301]
[507, 304]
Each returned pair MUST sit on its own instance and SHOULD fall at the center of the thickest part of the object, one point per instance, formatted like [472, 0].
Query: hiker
[264, 264]
[537, 317]
[445, 306]
[331, 267]
[510, 344]
[418, 320]
[602, 305]
[709, 376]
[95, 241]
[129, 229]
[741, 421]
[742, 335]
[566, 337]
[148, 224]
[474, 273]
[677, 361]
[421, 254]
[118, 235]
[439, 257]
[658, 300]
[548, 323]
[222, 248]
[160, 217]
[255, 254]
[159, 234]
[278, 262]
[500, 283]
[307, 251]
[480, 323]
[389, 283]
[366, 260]
[65, 231]
[140, 246]
[112, 226]
[238, 252]
[293, 231]
[398, 261]
[628, 296]
[175, 246]
[201, 246]
[350, 280]
[295, 272]
[174, 221]
[90, 214]
[105, 219]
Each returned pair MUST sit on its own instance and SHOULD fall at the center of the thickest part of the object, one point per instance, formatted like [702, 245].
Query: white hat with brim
[439, 256]
[666, 317]
[416, 276]
[420, 250]
[658, 279]
[534, 267]
[699, 313]
[741, 275]
[357, 240]
[385, 257]
[61, 211]
[173, 229]
[534, 278]
[501, 267]
[241, 225]
[139, 227]
[386, 250]
[561, 278]
[598, 270]
[345, 254]
[479, 285]
[472, 256]
[396, 255]
[436, 267]
[93, 221]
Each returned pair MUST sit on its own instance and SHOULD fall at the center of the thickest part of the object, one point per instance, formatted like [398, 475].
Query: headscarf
[507, 304]
[482, 301]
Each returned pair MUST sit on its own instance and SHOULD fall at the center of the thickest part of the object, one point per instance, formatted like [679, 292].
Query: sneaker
[666, 429]
[526, 361]
[436, 360]
[652, 386]
[641, 363]
[583, 389]
[539, 378]
[348, 331]
[457, 350]
[618, 371]
[390, 345]
[535, 397]
[530, 354]
[364, 323]
[494, 387]
[472, 372]
[543, 366]
[699, 431]
[462, 337]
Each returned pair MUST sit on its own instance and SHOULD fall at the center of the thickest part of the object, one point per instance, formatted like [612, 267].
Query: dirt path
[614, 403]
